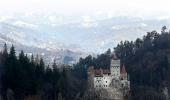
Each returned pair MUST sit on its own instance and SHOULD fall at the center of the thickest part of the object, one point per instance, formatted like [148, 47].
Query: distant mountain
[71, 38]
[32, 43]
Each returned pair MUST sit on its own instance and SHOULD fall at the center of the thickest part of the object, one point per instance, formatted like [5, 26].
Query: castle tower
[123, 73]
[115, 67]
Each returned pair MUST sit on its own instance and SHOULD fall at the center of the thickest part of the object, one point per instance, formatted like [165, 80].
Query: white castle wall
[114, 84]
[102, 82]
[106, 81]
[115, 68]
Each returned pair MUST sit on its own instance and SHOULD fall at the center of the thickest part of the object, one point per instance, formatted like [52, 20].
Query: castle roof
[123, 70]
[90, 68]
[114, 56]
[100, 72]
[106, 71]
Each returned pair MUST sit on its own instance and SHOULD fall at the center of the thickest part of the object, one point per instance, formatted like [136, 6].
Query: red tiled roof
[98, 72]
[101, 72]
[123, 70]
[114, 56]
[106, 71]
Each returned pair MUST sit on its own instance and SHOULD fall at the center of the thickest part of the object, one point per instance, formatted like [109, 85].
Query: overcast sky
[136, 7]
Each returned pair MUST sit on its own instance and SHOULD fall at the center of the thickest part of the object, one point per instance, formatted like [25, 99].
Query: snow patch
[143, 24]
[118, 27]
[24, 24]
[88, 22]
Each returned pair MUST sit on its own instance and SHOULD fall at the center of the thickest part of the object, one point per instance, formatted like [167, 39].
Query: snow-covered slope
[32, 41]
[52, 38]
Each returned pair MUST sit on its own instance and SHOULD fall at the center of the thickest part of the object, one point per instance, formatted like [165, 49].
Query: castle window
[106, 81]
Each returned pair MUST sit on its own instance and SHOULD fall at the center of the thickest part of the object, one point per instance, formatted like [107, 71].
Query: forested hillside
[24, 78]
[146, 60]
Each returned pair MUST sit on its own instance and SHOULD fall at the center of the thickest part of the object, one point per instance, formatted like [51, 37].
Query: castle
[114, 82]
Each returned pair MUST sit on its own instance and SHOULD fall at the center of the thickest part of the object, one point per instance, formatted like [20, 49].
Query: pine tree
[56, 77]
[5, 51]
[32, 59]
[3, 59]
[39, 74]
[12, 72]
[12, 53]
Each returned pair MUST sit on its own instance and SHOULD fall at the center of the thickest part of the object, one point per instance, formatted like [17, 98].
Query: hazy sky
[136, 7]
